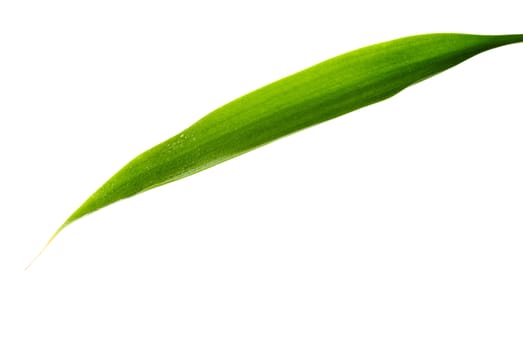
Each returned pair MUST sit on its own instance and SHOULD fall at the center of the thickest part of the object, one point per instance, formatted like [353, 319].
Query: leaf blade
[327, 90]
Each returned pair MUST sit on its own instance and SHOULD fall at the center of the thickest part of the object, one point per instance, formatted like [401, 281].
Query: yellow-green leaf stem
[322, 92]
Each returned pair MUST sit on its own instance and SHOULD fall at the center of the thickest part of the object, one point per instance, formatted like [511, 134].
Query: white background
[398, 226]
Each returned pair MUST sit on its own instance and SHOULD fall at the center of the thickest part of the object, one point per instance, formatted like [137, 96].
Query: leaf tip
[47, 244]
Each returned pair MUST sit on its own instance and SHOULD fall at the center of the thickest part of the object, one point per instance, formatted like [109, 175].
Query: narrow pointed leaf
[325, 91]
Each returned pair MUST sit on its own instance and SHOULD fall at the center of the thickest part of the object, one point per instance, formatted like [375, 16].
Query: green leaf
[322, 92]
